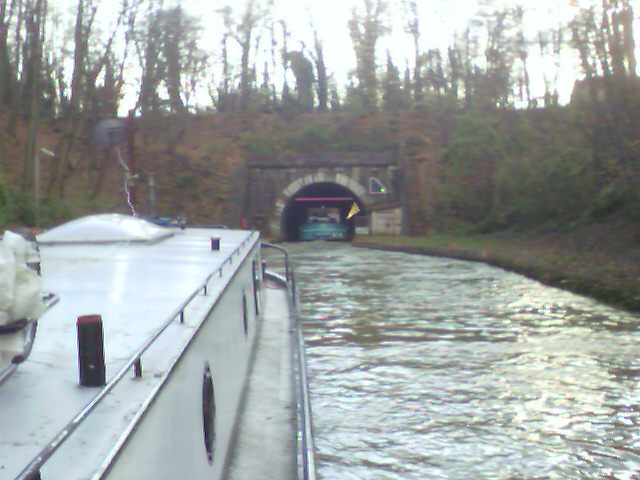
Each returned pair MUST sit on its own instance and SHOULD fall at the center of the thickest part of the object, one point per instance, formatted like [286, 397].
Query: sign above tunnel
[376, 187]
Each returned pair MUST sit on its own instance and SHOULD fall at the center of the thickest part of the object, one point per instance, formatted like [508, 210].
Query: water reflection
[435, 368]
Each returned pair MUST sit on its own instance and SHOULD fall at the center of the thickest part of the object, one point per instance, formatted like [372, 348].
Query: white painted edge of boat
[305, 443]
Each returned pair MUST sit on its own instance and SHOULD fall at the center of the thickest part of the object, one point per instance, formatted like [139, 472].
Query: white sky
[440, 21]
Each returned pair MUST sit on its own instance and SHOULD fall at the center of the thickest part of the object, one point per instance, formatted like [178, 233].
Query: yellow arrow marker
[354, 210]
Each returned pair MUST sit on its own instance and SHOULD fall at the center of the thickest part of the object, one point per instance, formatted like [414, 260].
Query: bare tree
[321, 70]
[303, 71]
[85, 16]
[148, 47]
[522, 51]
[243, 36]
[413, 28]
[392, 95]
[365, 29]
[6, 70]
[172, 30]
[286, 93]
[35, 21]
[90, 59]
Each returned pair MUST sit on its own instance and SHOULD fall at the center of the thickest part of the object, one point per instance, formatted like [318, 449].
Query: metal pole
[131, 154]
[286, 267]
[36, 180]
[152, 194]
[36, 187]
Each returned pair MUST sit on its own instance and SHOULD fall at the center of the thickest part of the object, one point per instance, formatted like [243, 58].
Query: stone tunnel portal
[318, 195]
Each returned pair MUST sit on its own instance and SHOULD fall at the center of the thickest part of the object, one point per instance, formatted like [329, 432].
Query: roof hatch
[105, 228]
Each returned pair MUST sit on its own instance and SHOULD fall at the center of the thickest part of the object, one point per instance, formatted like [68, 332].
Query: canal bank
[601, 261]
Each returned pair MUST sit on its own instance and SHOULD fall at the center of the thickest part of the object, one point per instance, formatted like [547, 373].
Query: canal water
[434, 368]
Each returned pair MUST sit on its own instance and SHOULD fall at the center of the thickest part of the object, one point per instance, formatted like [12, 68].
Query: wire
[128, 178]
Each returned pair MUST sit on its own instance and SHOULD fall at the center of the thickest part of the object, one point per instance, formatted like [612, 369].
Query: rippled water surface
[427, 368]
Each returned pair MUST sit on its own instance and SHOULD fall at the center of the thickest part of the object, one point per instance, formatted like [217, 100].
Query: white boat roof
[106, 228]
[135, 288]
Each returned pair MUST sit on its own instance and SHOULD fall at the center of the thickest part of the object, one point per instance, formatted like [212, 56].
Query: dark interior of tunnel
[328, 195]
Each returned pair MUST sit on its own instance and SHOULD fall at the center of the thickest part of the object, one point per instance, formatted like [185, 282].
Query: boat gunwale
[305, 442]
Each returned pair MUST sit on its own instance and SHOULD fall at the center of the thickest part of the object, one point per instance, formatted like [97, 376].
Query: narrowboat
[153, 352]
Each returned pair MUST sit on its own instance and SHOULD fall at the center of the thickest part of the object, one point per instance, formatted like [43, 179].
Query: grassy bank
[588, 261]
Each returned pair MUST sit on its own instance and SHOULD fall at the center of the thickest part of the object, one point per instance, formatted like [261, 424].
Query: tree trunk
[35, 40]
[6, 76]
[73, 114]
[626, 19]
[244, 39]
[15, 111]
[321, 70]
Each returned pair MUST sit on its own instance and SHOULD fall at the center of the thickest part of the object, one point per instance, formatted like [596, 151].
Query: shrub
[468, 171]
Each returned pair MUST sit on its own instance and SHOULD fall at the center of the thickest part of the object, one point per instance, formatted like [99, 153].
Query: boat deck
[135, 288]
[265, 446]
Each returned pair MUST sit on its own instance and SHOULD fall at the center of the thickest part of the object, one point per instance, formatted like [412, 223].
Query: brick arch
[297, 185]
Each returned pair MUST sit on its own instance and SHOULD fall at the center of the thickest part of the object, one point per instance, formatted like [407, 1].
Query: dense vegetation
[481, 148]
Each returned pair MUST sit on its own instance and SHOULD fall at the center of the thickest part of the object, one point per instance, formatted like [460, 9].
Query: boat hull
[181, 321]
[168, 441]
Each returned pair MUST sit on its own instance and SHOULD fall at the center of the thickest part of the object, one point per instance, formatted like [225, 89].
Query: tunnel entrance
[319, 196]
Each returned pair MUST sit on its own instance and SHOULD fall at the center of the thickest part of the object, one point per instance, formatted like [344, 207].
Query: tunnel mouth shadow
[322, 195]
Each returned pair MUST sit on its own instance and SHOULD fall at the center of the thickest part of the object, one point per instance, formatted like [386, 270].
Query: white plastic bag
[27, 302]
[17, 244]
[19, 285]
[7, 283]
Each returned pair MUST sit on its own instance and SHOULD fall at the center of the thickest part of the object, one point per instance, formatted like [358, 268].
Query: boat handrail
[32, 470]
[305, 435]
[284, 253]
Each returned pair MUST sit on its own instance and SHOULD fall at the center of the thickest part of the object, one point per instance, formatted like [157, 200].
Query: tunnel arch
[290, 211]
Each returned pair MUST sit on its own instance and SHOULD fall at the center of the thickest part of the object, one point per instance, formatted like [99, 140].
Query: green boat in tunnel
[324, 224]
[321, 211]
